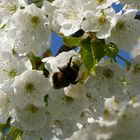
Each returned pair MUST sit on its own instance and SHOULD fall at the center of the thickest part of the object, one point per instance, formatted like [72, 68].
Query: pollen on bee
[60, 74]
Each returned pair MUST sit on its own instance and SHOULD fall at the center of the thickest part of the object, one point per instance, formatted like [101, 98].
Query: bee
[66, 76]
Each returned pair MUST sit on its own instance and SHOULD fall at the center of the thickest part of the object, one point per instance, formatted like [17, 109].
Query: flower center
[120, 25]
[12, 73]
[70, 13]
[29, 88]
[100, 1]
[102, 20]
[35, 20]
[32, 108]
[9, 7]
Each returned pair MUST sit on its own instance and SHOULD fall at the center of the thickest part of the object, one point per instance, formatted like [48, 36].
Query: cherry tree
[82, 92]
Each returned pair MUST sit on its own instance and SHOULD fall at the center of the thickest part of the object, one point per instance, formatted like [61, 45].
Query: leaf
[14, 134]
[91, 53]
[2, 25]
[47, 53]
[38, 3]
[35, 61]
[4, 126]
[71, 41]
[99, 50]
[87, 54]
[50, 0]
[10, 133]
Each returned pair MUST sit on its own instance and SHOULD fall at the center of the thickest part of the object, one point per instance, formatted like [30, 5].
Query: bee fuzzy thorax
[67, 75]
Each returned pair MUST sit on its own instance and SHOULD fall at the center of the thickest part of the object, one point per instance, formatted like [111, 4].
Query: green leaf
[4, 126]
[35, 61]
[14, 134]
[2, 25]
[91, 53]
[38, 3]
[50, 0]
[87, 54]
[71, 41]
[99, 51]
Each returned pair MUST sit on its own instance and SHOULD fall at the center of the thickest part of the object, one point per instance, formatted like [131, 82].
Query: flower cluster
[79, 94]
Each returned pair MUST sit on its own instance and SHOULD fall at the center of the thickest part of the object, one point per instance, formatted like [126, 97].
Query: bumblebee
[66, 76]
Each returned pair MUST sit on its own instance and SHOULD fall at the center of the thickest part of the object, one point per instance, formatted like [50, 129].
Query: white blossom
[92, 5]
[53, 63]
[6, 108]
[74, 91]
[48, 8]
[109, 78]
[63, 128]
[32, 35]
[124, 122]
[68, 15]
[30, 135]
[24, 3]
[103, 105]
[119, 120]
[101, 22]
[30, 88]
[45, 132]
[133, 78]
[104, 84]
[7, 9]
[31, 117]
[80, 135]
[136, 50]
[126, 31]
[10, 67]
[63, 107]
[6, 44]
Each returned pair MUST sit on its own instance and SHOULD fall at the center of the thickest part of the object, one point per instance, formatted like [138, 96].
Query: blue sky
[56, 43]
